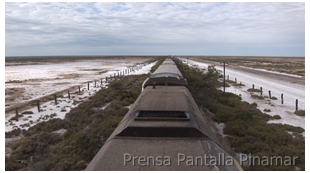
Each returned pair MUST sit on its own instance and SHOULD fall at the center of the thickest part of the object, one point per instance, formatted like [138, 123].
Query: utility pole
[224, 77]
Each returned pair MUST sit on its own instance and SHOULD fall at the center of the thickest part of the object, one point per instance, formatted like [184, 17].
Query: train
[163, 130]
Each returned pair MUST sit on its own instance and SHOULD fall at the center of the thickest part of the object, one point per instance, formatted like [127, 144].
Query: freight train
[163, 130]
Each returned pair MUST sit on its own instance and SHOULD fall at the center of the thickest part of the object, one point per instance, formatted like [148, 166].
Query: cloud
[123, 25]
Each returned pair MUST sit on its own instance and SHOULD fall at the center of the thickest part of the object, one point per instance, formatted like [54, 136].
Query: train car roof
[165, 111]
[167, 68]
[164, 121]
[166, 74]
[162, 154]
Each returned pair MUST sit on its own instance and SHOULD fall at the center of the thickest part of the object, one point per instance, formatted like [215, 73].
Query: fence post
[261, 91]
[296, 105]
[87, 85]
[224, 78]
[235, 80]
[269, 94]
[79, 90]
[282, 99]
[16, 112]
[253, 86]
[38, 103]
[68, 94]
[55, 98]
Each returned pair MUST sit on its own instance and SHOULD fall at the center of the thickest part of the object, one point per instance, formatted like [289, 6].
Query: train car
[163, 130]
[166, 74]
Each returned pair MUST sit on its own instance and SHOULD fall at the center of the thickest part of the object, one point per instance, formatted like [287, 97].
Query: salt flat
[290, 90]
[29, 81]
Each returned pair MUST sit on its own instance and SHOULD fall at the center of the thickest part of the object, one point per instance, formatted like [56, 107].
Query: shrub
[46, 127]
[267, 110]
[257, 97]
[276, 117]
[13, 133]
[253, 90]
[254, 104]
[300, 112]
[27, 112]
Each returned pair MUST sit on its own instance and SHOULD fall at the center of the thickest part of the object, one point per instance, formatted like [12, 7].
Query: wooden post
[55, 98]
[68, 94]
[261, 91]
[79, 90]
[87, 85]
[235, 80]
[106, 78]
[16, 112]
[269, 94]
[253, 86]
[38, 105]
[282, 99]
[224, 78]
[296, 105]
[101, 81]
[95, 83]
[227, 77]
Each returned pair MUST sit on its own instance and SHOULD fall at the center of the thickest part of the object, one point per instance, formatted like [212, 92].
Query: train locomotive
[163, 130]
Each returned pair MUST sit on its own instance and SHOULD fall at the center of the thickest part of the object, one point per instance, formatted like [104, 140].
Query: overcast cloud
[269, 29]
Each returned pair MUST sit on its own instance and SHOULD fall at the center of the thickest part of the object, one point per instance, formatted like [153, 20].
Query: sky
[155, 28]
